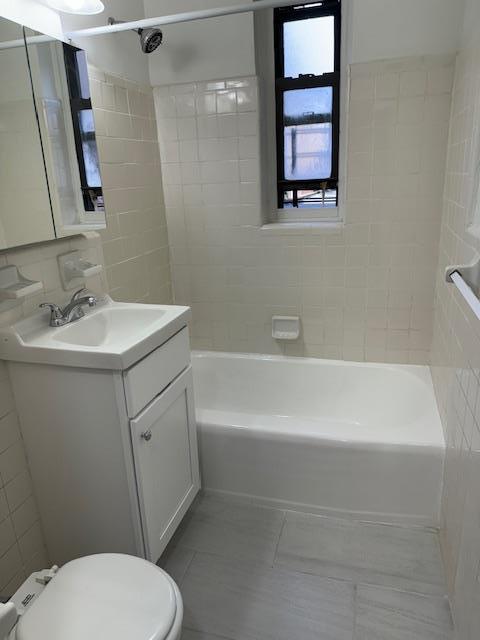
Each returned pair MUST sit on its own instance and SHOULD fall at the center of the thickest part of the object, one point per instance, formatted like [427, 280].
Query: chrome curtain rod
[176, 18]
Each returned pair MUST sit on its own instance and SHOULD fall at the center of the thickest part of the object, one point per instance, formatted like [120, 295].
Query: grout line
[279, 537]
[189, 564]
[355, 593]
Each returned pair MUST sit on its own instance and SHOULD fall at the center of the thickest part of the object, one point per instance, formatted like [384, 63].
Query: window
[307, 93]
[83, 127]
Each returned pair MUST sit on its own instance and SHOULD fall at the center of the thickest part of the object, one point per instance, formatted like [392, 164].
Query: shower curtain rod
[176, 18]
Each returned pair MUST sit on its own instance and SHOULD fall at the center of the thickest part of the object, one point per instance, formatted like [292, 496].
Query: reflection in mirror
[474, 217]
[62, 94]
[25, 212]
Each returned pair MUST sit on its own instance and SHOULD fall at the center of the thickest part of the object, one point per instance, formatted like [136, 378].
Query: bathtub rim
[422, 373]
[243, 355]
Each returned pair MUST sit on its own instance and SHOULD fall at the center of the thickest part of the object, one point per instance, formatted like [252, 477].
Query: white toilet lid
[102, 597]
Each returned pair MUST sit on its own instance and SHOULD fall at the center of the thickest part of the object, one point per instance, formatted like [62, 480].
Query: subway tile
[413, 83]
[247, 99]
[206, 104]
[248, 124]
[213, 172]
[227, 126]
[387, 86]
[187, 128]
[218, 149]
[185, 105]
[226, 102]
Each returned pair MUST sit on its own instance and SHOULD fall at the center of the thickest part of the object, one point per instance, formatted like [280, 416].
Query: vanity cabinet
[113, 454]
[165, 472]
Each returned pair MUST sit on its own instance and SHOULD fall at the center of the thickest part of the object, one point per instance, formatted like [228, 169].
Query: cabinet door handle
[146, 435]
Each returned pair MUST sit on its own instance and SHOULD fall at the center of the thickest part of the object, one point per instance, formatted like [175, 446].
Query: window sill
[318, 226]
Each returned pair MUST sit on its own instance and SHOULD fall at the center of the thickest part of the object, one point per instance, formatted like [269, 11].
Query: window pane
[82, 68]
[89, 148]
[321, 198]
[309, 46]
[308, 133]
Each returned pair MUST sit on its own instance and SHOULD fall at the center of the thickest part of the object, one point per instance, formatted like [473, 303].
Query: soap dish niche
[14, 286]
[75, 269]
[285, 327]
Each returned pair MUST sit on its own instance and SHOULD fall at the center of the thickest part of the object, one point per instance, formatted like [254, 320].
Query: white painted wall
[32, 14]
[383, 29]
[222, 47]
[118, 53]
[201, 50]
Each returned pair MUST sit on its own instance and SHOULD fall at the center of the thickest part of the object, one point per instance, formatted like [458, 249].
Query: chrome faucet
[73, 311]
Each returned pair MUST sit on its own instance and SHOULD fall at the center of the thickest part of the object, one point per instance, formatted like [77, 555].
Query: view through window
[307, 70]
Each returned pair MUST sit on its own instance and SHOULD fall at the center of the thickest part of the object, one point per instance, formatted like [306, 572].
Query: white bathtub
[343, 438]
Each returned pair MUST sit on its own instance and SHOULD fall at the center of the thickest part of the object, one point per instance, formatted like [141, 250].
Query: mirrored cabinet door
[25, 210]
[61, 89]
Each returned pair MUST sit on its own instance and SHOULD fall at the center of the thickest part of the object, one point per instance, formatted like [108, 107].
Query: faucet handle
[55, 312]
[54, 308]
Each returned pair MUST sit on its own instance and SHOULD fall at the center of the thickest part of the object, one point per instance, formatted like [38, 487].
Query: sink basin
[113, 335]
[109, 326]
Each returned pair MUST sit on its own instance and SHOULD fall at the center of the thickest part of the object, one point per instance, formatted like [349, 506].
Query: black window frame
[307, 81]
[78, 104]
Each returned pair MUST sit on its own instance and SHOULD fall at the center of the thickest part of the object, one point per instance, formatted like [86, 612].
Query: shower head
[150, 39]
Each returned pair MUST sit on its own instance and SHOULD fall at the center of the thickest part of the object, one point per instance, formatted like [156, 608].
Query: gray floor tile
[398, 557]
[252, 601]
[385, 614]
[175, 561]
[233, 530]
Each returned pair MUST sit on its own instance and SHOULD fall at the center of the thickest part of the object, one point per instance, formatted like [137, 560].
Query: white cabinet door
[165, 451]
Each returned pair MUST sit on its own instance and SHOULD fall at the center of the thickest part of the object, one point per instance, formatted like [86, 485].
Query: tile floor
[252, 573]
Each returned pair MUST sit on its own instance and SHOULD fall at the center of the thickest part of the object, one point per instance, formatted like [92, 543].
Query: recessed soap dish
[14, 286]
[285, 327]
[74, 269]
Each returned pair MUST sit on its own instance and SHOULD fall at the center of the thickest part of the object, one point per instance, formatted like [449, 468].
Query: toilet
[101, 597]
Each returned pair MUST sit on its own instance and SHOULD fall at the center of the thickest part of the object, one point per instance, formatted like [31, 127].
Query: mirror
[474, 212]
[50, 179]
[62, 95]
[25, 211]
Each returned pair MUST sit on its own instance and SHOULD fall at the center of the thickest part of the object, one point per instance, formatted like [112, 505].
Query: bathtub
[331, 437]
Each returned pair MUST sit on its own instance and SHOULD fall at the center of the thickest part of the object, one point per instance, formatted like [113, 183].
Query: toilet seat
[105, 597]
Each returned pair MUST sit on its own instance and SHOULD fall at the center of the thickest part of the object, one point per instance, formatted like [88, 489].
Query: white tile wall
[456, 357]
[135, 244]
[22, 548]
[363, 291]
